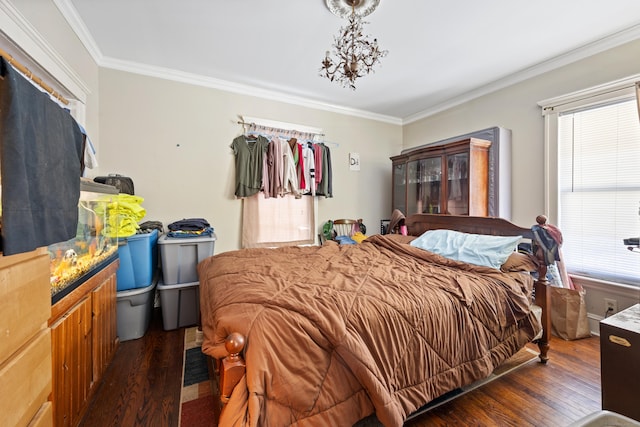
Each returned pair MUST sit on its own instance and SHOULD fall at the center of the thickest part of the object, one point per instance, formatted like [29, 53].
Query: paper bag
[569, 313]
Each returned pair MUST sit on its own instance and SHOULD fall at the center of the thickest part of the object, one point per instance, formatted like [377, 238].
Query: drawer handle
[619, 340]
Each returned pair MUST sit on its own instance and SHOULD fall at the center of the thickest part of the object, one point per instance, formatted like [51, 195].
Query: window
[287, 219]
[598, 183]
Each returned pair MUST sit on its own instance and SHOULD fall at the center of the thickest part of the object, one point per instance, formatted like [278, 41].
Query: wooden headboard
[419, 223]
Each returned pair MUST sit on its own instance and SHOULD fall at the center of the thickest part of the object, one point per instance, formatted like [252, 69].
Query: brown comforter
[336, 333]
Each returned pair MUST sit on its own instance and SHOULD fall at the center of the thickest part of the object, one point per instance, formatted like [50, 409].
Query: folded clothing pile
[149, 226]
[125, 211]
[190, 227]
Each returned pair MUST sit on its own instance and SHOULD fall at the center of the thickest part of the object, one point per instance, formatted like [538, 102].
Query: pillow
[518, 261]
[478, 249]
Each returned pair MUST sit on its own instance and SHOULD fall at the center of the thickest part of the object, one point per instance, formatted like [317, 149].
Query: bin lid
[163, 287]
[167, 240]
[140, 236]
[135, 291]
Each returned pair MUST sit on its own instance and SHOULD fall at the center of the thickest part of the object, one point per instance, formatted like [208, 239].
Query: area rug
[196, 409]
[196, 400]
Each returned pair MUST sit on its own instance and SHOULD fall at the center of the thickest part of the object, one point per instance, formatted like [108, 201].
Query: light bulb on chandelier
[355, 54]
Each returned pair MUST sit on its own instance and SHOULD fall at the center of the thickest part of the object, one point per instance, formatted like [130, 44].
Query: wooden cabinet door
[399, 187]
[447, 178]
[72, 363]
[105, 334]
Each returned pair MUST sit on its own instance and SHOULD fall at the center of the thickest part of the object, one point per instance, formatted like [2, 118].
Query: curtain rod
[243, 123]
[24, 70]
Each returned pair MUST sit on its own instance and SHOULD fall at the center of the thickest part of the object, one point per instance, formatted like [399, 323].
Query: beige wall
[173, 140]
[516, 108]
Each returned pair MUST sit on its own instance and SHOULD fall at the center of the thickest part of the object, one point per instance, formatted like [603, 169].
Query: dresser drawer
[25, 381]
[25, 305]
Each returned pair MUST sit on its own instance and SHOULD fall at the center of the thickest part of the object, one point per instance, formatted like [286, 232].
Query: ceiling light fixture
[355, 55]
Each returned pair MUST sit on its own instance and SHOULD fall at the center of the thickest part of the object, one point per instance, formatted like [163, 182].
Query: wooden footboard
[228, 372]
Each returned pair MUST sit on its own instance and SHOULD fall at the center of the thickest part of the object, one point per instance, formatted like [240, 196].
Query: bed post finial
[232, 367]
[541, 220]
[234, 345]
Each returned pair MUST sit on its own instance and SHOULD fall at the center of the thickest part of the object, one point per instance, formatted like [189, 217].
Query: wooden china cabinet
[443, 178]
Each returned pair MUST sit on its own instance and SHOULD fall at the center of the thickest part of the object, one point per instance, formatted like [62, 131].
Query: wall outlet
[610, 306]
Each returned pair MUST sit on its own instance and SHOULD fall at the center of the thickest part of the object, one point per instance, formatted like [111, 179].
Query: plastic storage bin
[180, 257]
[124, 275]
[133, 312]
[180, 304]
[138, 261]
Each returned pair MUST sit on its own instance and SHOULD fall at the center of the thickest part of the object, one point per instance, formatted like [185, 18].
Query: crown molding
[601, 45]
[72, 17]
[213, 83]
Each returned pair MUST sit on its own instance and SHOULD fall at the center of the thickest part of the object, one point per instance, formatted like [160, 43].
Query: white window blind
[599, 189]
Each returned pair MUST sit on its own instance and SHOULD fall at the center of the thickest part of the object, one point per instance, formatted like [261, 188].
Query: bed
[329, 335]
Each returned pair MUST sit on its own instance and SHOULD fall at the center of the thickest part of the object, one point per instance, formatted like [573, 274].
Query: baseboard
[597, 291]
[594, 323]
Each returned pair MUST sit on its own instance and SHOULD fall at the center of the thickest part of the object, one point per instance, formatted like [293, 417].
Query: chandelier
[354, 53]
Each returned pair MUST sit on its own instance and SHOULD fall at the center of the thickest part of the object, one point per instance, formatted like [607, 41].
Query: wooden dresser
[25, 339]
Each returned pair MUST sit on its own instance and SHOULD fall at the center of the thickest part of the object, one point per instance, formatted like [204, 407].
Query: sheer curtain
[279, 221]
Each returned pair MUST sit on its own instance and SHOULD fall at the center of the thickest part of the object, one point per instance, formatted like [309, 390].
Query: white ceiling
[439, 52]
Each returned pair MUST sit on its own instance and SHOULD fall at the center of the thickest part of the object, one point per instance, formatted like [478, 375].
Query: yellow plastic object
[359, 237]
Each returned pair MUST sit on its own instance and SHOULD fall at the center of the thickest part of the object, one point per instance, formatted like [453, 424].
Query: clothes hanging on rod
[314, 137]
[250, 157]
[285, 131]
[291, 164]
[89, 161]
[41, 144]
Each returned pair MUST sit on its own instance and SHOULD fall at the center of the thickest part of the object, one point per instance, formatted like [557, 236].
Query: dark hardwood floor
[142, 388]
[142, 385]
[553, 395]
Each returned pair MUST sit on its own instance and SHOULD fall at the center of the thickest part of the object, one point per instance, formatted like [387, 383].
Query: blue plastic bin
[124, 275]
[141, 253]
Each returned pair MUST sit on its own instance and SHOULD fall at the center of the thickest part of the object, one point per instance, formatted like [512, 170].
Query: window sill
[605, 285]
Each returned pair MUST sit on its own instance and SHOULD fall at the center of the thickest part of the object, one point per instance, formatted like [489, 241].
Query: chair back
[345, 227]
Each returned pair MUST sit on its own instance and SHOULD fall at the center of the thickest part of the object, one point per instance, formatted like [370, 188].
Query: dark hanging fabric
[325, 186]
[41, 158]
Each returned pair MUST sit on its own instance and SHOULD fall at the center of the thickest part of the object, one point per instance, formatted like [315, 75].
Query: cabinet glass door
[458, 184]
[423, 189]
[399, 187]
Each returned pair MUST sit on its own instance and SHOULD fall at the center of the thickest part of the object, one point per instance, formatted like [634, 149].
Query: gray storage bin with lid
[179, 257]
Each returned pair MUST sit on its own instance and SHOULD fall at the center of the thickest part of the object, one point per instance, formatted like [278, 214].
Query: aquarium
[74, 261]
